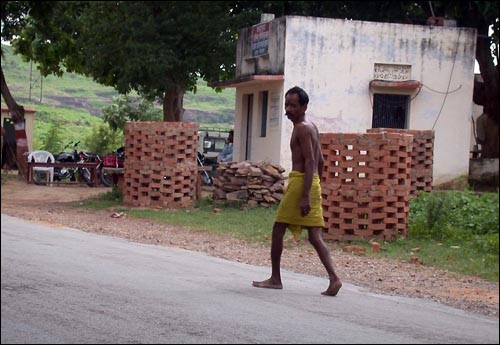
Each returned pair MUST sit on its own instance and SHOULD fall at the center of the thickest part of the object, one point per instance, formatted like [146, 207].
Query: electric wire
[449, 80]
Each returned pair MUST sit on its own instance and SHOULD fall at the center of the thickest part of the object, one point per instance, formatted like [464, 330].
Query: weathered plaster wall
[333, 60]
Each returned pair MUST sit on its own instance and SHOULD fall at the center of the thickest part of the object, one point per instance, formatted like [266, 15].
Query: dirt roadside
[55, 206]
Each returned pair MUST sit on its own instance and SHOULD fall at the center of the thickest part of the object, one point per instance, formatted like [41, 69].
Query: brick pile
[160, 166]
[259, 183]
[422, 157]
[366, 185]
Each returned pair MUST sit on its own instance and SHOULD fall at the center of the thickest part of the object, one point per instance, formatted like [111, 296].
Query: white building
[358, 75]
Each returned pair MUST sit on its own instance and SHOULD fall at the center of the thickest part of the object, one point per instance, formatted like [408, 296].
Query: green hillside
[76, 101]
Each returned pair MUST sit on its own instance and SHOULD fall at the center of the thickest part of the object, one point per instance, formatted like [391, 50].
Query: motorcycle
[115, 159]
[72, 174]
[206, 177]
[89, 157]
[66, 157]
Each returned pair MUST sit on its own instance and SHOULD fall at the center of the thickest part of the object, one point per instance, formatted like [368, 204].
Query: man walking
[301, 205]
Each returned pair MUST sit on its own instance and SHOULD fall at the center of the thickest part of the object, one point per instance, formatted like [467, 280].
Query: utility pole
[32, 82]
[31, 74]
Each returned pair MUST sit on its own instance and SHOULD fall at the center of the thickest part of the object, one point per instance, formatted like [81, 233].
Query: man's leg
[274, 282]
[316, 239]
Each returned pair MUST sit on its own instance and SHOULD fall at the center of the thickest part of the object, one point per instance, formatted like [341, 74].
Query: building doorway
[248, 122]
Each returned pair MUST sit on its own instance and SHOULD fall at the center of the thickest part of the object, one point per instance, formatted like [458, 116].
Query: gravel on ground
[55, 206]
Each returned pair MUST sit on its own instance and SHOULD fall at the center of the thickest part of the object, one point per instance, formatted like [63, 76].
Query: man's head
[296, 100]
[303, 97]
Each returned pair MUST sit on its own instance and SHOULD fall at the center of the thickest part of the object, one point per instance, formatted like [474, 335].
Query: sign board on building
[260, 39]
[275, 103]
[391, 72]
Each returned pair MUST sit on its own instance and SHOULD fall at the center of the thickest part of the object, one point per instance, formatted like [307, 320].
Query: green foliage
[462, 217]
[52, 140]
[455, 256]
[102, 139]
[204, 106]
[73, 125]
[71, 91]
[104, 200]
[48, 35]
[226, 127]
[75, 102]
[122, 110]
[114, 195]
[250, 224]
[154, 48]
[253, 224]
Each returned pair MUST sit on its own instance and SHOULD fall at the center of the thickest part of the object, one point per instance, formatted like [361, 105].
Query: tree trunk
[17, 115]
[173, 109]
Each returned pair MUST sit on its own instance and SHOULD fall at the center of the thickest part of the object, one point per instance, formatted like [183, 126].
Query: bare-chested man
[301, 204]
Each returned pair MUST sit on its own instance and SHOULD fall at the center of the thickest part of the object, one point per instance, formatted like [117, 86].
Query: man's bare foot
[268, 284]
[333, 289]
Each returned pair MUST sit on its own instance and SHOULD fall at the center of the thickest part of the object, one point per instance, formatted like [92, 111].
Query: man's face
[293, 109]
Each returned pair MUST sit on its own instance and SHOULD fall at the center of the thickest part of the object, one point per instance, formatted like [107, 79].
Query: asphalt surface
[62, 285]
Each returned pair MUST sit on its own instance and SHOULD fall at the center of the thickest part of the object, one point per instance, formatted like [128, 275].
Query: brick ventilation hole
[422, 157]
[160, 165]
[366, 185]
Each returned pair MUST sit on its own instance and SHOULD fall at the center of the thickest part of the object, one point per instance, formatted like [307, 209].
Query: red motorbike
[114, 159]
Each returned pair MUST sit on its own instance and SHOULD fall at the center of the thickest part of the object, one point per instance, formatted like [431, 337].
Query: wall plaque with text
[391, 72]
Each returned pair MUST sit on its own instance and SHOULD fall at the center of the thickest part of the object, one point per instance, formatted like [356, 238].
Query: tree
[158, 49]
[52, 140]
[19, 18]
[13, 15]
[103, 139]
[482, 15]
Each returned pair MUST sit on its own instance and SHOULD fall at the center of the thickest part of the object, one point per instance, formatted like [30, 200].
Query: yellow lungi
[289, 208]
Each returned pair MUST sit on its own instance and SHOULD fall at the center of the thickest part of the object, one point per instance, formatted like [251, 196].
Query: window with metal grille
[390, 111]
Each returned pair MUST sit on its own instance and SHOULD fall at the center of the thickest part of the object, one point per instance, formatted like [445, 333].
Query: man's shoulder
[306, 127]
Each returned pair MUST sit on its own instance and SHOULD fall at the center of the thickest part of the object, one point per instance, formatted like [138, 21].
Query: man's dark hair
[303, 97]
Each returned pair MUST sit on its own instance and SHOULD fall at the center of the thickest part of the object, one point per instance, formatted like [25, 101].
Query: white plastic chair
[42, 157]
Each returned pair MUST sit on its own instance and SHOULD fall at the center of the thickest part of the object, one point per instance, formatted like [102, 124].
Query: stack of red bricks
[366, 185]
[259, 183]
[160, 165]
[422, 157]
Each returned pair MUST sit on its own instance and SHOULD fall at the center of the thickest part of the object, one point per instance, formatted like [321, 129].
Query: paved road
[62, 285]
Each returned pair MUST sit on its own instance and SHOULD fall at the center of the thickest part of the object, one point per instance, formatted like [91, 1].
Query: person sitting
[226, 154]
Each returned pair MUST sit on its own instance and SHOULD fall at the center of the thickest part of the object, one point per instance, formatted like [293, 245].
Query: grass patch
[253, 224]
[460, 258]
[106, 200]
[455, 231]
